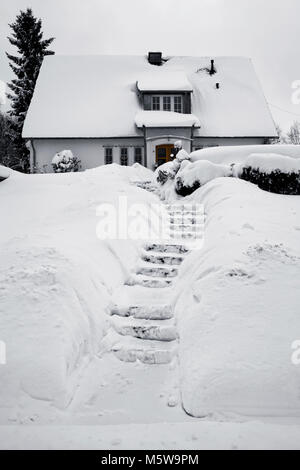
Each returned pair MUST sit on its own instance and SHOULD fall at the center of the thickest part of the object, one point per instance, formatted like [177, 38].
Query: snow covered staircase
[148, 333]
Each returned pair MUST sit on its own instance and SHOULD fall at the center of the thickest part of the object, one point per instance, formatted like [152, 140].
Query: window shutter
[147, 102]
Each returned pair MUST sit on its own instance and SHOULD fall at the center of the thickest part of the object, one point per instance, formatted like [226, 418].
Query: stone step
[157, 312]
[144, 354]
[157, 272]
[129, 349]
[166, 248]
[187, 220]
[162, 259]
[186, 236]
[146, 330]
[187, 228]
[139, 280]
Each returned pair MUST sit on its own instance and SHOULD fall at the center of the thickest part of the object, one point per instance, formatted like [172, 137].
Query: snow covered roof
[96, 96]
[162, 79]
[165, 119]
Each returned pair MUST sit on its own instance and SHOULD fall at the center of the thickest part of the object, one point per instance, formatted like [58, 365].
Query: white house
[128, 109]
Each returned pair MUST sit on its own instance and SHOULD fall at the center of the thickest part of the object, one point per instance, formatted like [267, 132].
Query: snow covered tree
[6, 147]
[281, 137]
[294, 133]
[27, 37]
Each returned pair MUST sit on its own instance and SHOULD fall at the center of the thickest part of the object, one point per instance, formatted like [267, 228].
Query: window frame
[108, 157]
[156, 107]
[166, 98]
[138, 159]
[167, 102]
[123, 149]
[176, 97]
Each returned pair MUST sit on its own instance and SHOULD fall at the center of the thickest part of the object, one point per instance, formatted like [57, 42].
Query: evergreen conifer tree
[27, 37]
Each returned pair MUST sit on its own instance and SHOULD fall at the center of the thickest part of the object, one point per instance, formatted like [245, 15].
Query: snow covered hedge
[271, 172]
[65, 161]
[192, 176]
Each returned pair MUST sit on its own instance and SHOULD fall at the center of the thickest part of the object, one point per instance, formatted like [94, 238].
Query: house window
[124, 156]
[138, 155]
[177, 104]
[108, 155]
[167, 103]
[155, 103]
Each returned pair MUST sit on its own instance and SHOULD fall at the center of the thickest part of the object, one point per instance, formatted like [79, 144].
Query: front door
[163, 153]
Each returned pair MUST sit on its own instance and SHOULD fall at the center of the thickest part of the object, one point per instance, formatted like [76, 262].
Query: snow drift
[57, 279]
[237, 154]
[192, 176]
[243, 295]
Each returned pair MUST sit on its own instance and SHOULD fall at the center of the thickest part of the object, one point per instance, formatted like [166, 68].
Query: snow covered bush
[182, 155]
[65, 161]
[192, 176]
[271, 172]
[167, 171]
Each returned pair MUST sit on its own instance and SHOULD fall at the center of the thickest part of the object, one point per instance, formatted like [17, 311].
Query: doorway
[163, 153]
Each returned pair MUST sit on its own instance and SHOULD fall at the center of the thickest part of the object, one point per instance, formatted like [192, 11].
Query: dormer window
[167, 103]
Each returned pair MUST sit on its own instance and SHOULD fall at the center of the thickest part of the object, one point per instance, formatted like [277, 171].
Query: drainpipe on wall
[192, 138]
[145, 146]
[30, 145]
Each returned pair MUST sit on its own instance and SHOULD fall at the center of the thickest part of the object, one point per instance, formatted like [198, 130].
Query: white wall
[91, 152]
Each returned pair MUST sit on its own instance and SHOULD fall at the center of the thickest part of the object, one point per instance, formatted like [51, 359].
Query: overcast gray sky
[265, 30]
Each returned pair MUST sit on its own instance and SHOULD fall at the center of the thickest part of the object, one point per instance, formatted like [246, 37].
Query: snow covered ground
[236, 302]
[243, 295]
[56, 280]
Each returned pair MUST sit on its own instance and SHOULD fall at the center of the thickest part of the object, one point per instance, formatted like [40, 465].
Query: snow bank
[4, 172]
[237, 154]
[57, 280]
[182, 155]
[243, 295]
[194, 175]
[268, 163]
[165, 119]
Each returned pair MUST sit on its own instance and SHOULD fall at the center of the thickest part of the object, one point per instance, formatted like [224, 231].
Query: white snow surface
[165, 119]
[201, 172]
[4, 172]
[243, 297]
[182, 155]
[269, 162]
[237, 154]
[96, 96]
[236, 306]
[57, 280]
[162, 79]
